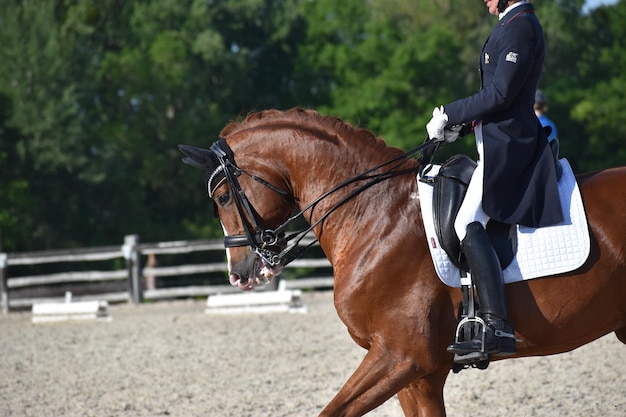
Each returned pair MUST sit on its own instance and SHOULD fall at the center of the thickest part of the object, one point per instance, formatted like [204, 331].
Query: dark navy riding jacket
[519, 185]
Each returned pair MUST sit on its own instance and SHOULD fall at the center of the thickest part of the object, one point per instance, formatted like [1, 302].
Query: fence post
[4, 285]
[133, 266]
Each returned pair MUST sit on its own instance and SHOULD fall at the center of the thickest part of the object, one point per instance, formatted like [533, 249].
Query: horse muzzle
[259, 275]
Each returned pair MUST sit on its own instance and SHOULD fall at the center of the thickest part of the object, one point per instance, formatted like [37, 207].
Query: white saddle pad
[541, 252]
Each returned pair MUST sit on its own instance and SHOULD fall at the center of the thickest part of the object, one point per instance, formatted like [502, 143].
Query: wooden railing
[134, 274]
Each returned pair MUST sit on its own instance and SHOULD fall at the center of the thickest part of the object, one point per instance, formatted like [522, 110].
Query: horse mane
[311, 118]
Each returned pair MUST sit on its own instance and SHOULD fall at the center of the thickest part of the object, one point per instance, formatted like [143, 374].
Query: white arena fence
[135, 275]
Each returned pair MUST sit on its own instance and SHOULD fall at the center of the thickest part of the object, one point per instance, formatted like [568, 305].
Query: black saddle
[450, 187]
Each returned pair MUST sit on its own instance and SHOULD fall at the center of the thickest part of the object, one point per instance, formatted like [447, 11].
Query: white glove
[436, 125]
[437, 130]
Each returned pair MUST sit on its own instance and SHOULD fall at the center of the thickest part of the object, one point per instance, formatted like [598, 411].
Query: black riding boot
[487, 277]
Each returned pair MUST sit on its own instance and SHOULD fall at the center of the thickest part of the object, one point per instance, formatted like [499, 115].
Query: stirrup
[478, 359]
[481, 328]
[468, 327]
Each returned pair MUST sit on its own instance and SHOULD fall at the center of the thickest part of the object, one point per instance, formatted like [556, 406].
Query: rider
[514, 181]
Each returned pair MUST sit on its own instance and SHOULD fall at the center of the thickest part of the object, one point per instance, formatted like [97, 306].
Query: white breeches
[472, 207]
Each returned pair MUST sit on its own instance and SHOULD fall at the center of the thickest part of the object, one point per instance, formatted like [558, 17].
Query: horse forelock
[311, 119]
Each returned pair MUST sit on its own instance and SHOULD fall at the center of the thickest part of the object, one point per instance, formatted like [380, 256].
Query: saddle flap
[450, 186]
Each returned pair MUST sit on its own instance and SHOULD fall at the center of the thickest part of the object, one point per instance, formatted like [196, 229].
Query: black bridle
[264, 242]
[273, 246]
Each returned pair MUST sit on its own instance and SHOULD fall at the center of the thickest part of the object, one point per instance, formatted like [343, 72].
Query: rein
[272, 246]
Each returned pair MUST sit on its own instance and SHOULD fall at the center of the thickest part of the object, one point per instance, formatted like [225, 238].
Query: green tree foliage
[600, 107]
[386, 64]
[95, 95]
[99, 94]
[15, 197]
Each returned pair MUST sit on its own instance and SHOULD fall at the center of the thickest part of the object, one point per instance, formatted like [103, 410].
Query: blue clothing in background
[543, 119]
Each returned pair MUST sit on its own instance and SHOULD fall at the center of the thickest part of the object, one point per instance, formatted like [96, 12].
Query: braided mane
[310, 118]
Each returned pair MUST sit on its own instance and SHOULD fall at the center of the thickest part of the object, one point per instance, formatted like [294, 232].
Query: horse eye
[223, 199]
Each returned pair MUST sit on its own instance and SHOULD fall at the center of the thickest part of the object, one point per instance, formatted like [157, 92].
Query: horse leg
[381, 374]
[424, 397]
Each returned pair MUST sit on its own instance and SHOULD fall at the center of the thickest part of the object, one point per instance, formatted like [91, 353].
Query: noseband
[271, 245]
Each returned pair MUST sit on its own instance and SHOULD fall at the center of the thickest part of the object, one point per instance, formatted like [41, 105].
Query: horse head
[251, 209]
[276, 152]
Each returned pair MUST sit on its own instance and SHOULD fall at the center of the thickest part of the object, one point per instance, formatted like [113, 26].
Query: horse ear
[197, 157]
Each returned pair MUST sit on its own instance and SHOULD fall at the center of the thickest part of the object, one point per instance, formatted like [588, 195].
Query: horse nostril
[235, 279]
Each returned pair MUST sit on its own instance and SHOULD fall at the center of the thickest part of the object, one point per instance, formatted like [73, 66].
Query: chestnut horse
[361, 199]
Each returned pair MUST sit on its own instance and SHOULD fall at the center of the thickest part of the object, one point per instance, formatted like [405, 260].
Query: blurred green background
[95, 96]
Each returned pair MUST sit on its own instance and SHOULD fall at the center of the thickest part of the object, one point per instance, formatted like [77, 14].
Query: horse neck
[317, 165]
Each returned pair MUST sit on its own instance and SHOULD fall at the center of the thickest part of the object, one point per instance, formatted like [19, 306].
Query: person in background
[541, 108]
[515, 179]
